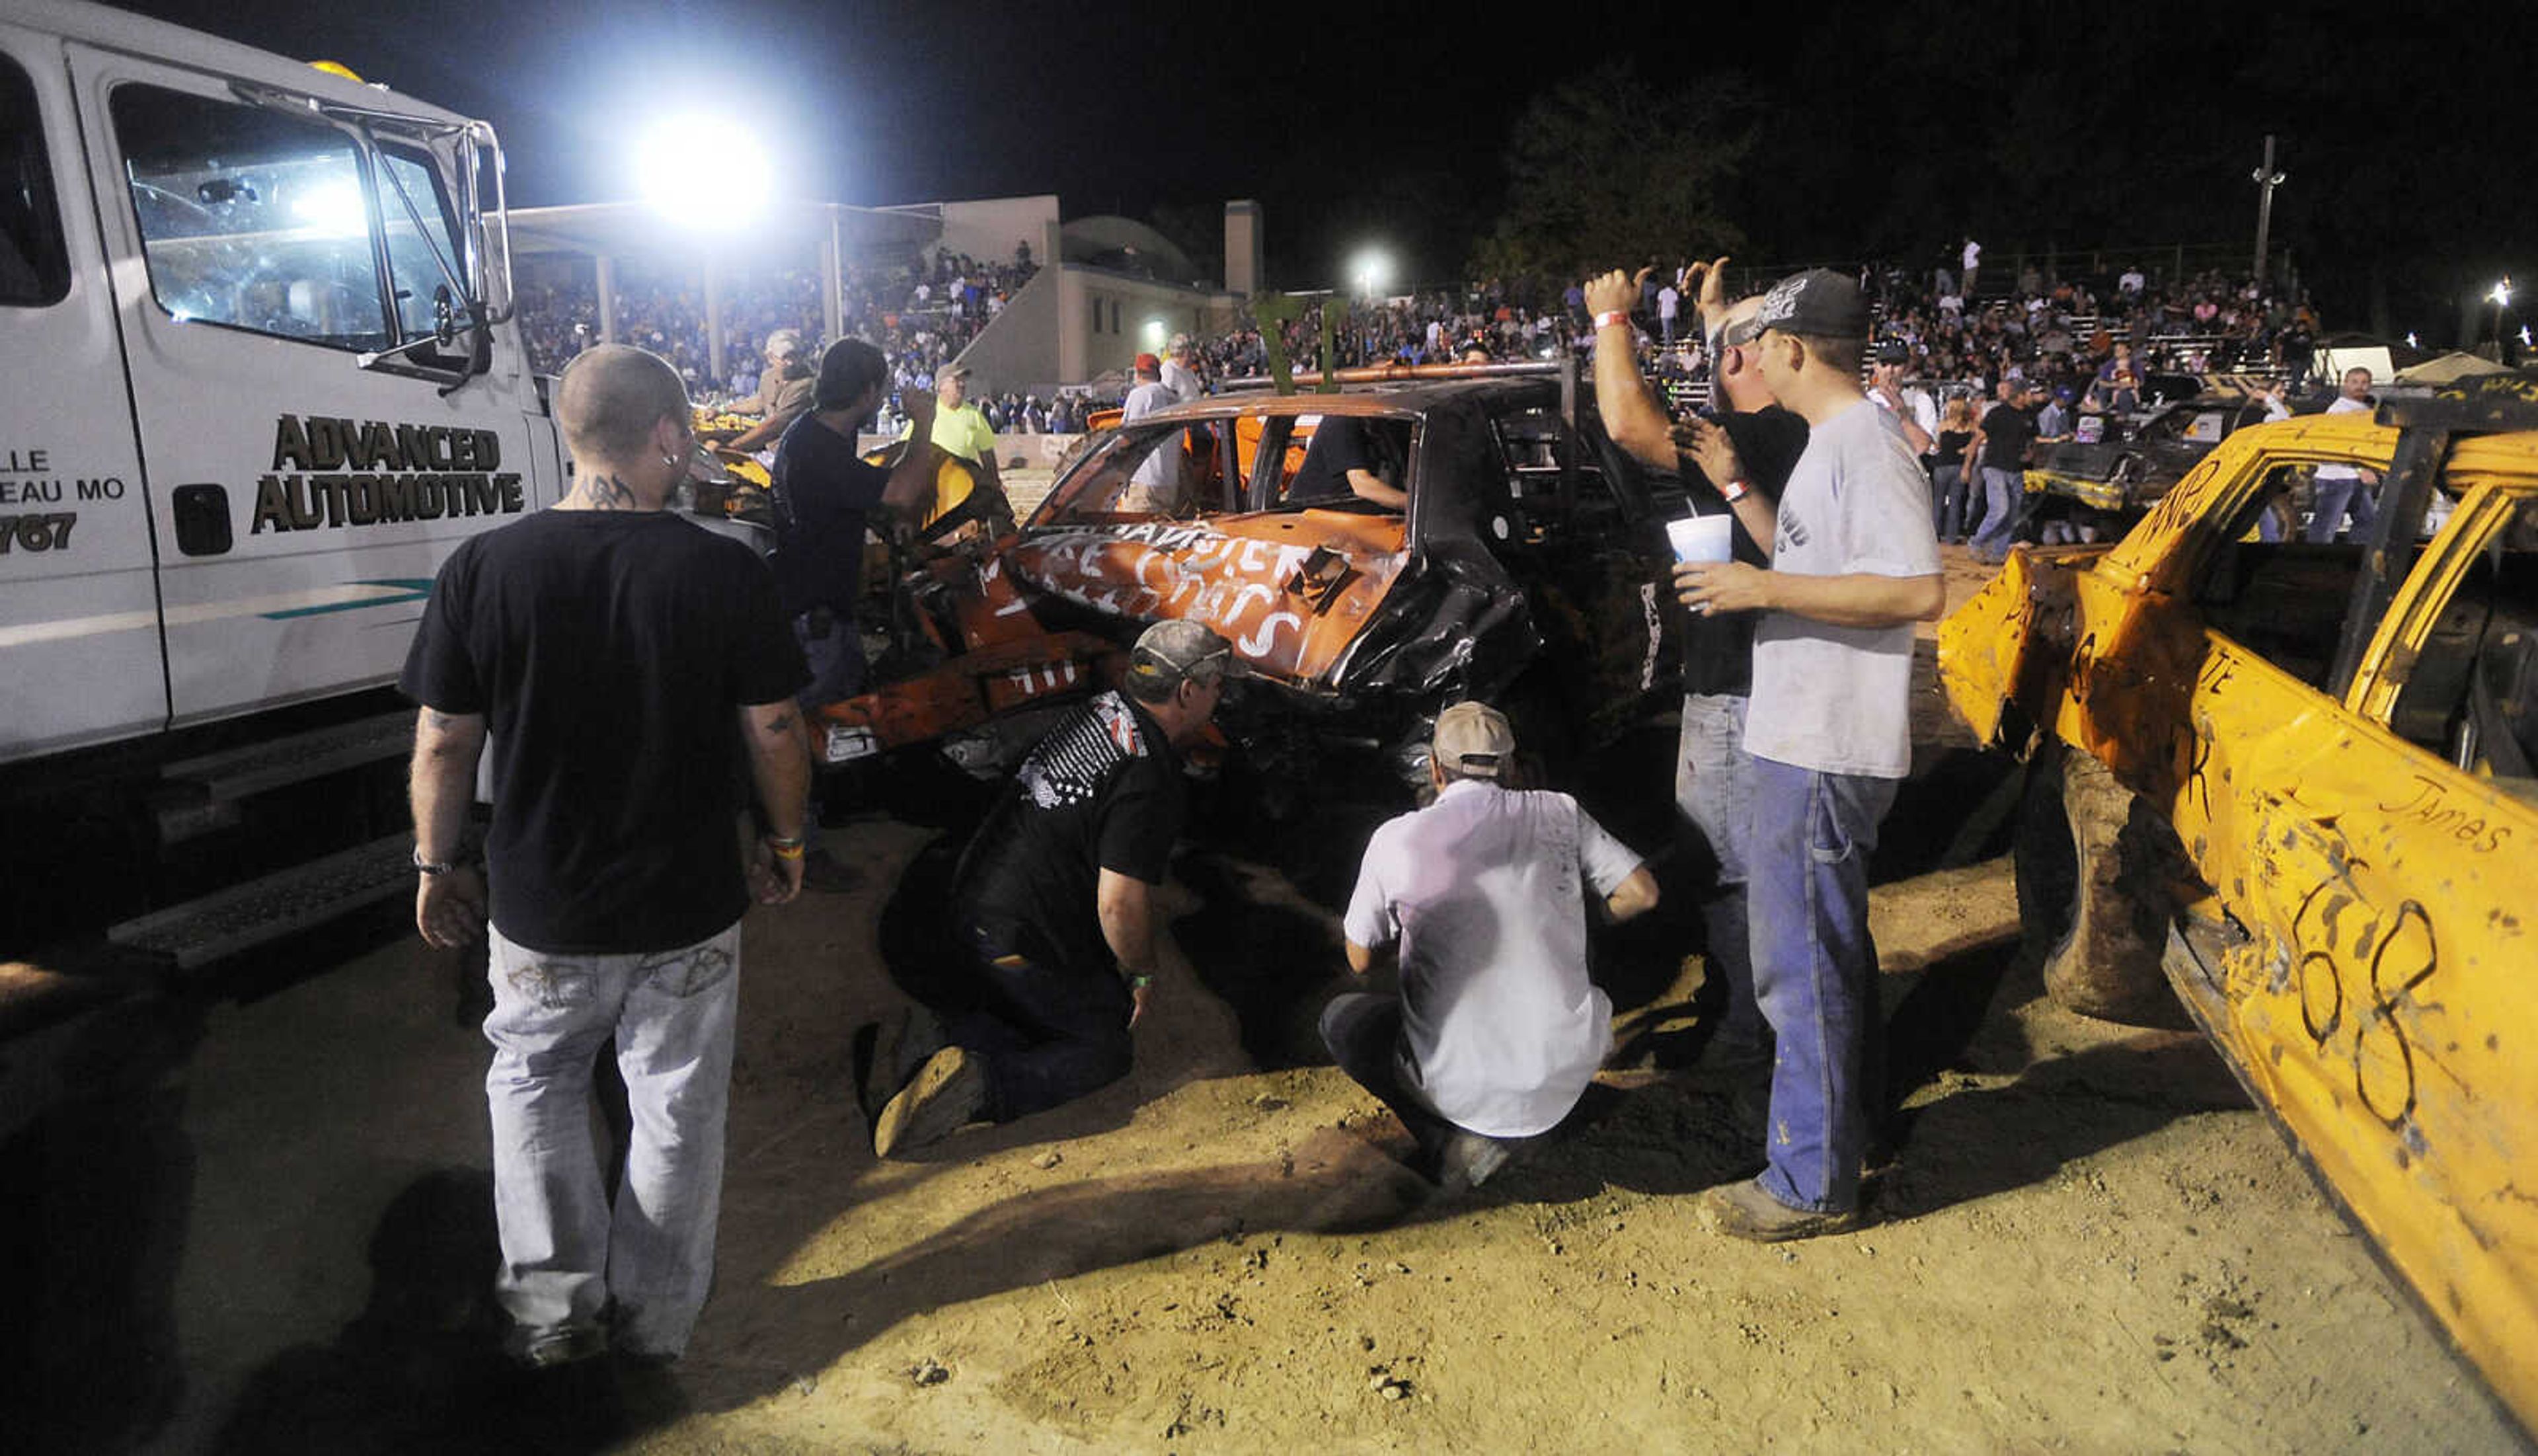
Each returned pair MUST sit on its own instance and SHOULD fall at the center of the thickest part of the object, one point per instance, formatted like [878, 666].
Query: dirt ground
[264, 1224]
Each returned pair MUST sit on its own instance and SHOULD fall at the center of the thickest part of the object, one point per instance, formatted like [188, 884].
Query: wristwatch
[1736, 490]
[429, 868]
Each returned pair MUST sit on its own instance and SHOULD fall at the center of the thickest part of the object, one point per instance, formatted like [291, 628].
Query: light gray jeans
[566, 1256]
[1713, 788]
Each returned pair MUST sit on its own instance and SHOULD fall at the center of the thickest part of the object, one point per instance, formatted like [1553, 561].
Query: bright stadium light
[2500, 298]
[1372, 270]
[705, 172]
[1153, 334]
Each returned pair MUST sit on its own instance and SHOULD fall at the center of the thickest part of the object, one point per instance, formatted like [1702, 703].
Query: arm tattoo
[782, 723]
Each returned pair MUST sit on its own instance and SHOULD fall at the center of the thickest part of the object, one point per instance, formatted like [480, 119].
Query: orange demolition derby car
[1527, 568]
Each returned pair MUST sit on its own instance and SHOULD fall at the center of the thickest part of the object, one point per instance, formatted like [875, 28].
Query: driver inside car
[1353, 458]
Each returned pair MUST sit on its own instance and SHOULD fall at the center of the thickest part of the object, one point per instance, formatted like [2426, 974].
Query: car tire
[2097, 872]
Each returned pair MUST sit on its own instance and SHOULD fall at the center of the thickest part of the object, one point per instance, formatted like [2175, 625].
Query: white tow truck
[262, 382]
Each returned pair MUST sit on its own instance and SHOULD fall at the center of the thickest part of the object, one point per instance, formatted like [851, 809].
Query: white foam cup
[1702, 538]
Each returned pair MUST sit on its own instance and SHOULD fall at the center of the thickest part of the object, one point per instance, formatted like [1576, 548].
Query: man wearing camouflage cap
[1052, 908]
[1497, 1029]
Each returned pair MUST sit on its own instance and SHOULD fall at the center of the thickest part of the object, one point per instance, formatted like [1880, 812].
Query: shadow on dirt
[96, 1203]
[420, 1368]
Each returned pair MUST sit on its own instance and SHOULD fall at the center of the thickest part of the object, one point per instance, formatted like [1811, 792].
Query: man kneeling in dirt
[1496, 1031]
[1052, 909]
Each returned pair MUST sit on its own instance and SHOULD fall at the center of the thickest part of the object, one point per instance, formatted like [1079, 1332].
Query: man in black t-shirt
[622, 663]
[1346, 460]
[824, 491]
[2001, 443]
[1744, 454]
[1051, 906]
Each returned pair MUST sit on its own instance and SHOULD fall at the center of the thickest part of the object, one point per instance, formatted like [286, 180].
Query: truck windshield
[253, 220]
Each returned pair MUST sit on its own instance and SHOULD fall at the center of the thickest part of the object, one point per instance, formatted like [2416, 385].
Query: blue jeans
[1948, 501]
[1049, 1034]
[1815, 974]
[568, 1251]
[2335, 498]
[2001, 490]
[1713, 788]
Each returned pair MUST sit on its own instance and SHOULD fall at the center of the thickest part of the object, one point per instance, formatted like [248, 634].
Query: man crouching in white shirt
[1496, 1031]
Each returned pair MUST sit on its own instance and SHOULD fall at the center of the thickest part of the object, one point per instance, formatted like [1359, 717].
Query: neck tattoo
[605, 493]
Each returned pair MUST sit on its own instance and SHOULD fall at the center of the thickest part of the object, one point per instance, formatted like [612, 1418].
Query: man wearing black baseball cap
[1052, 908]
[1854, 564]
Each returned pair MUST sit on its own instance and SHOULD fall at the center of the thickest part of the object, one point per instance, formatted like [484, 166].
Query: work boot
[1746, 1210]
[898, 1047]
[948, 1094]
[546, 1346]
[1466, 1162]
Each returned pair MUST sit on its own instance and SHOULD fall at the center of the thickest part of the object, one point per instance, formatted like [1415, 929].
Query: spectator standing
[2344, 489]
[2001, 443]
[1156, 485]
[1970, 263]
[1746, 461]
[617, 881]
[1669, 308]
[1910, 405]
[1853, 565]
[824, 491]
[1948, 477]
[1180, 371]
[2053, 422]
[961, 428]
[1497, 1029]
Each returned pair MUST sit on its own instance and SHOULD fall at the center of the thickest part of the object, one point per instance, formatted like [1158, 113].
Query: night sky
[1877, 132]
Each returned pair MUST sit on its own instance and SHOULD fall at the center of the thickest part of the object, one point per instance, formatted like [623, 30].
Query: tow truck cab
[262, 382]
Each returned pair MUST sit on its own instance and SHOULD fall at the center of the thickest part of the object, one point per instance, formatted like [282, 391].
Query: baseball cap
[1473, 740]
[1893, 354]
[954, 371]
[1818, 303]
[784, 343]
[1173, 650]
[1147, 364]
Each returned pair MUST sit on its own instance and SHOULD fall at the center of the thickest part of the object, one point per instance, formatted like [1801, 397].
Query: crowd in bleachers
[922, 314]
[2070, 333]
[2060, 330]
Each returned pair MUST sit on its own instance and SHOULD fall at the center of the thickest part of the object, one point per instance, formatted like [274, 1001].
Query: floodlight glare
[1154, 333]
[705, 171]
[332, 208]
[2500, 298]
[1372, 270]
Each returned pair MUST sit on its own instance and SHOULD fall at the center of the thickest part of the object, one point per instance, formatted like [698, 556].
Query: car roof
[1413, 397]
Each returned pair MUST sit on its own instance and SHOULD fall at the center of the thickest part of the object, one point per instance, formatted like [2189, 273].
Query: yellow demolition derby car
[2295, 786]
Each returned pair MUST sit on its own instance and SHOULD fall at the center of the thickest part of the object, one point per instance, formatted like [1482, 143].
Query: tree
[1609, 167]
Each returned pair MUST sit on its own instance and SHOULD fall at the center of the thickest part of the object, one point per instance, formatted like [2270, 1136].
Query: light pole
[2501, 299]
[2266, 180]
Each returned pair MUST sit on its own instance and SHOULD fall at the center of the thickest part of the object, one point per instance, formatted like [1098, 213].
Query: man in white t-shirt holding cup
[1854, 564]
